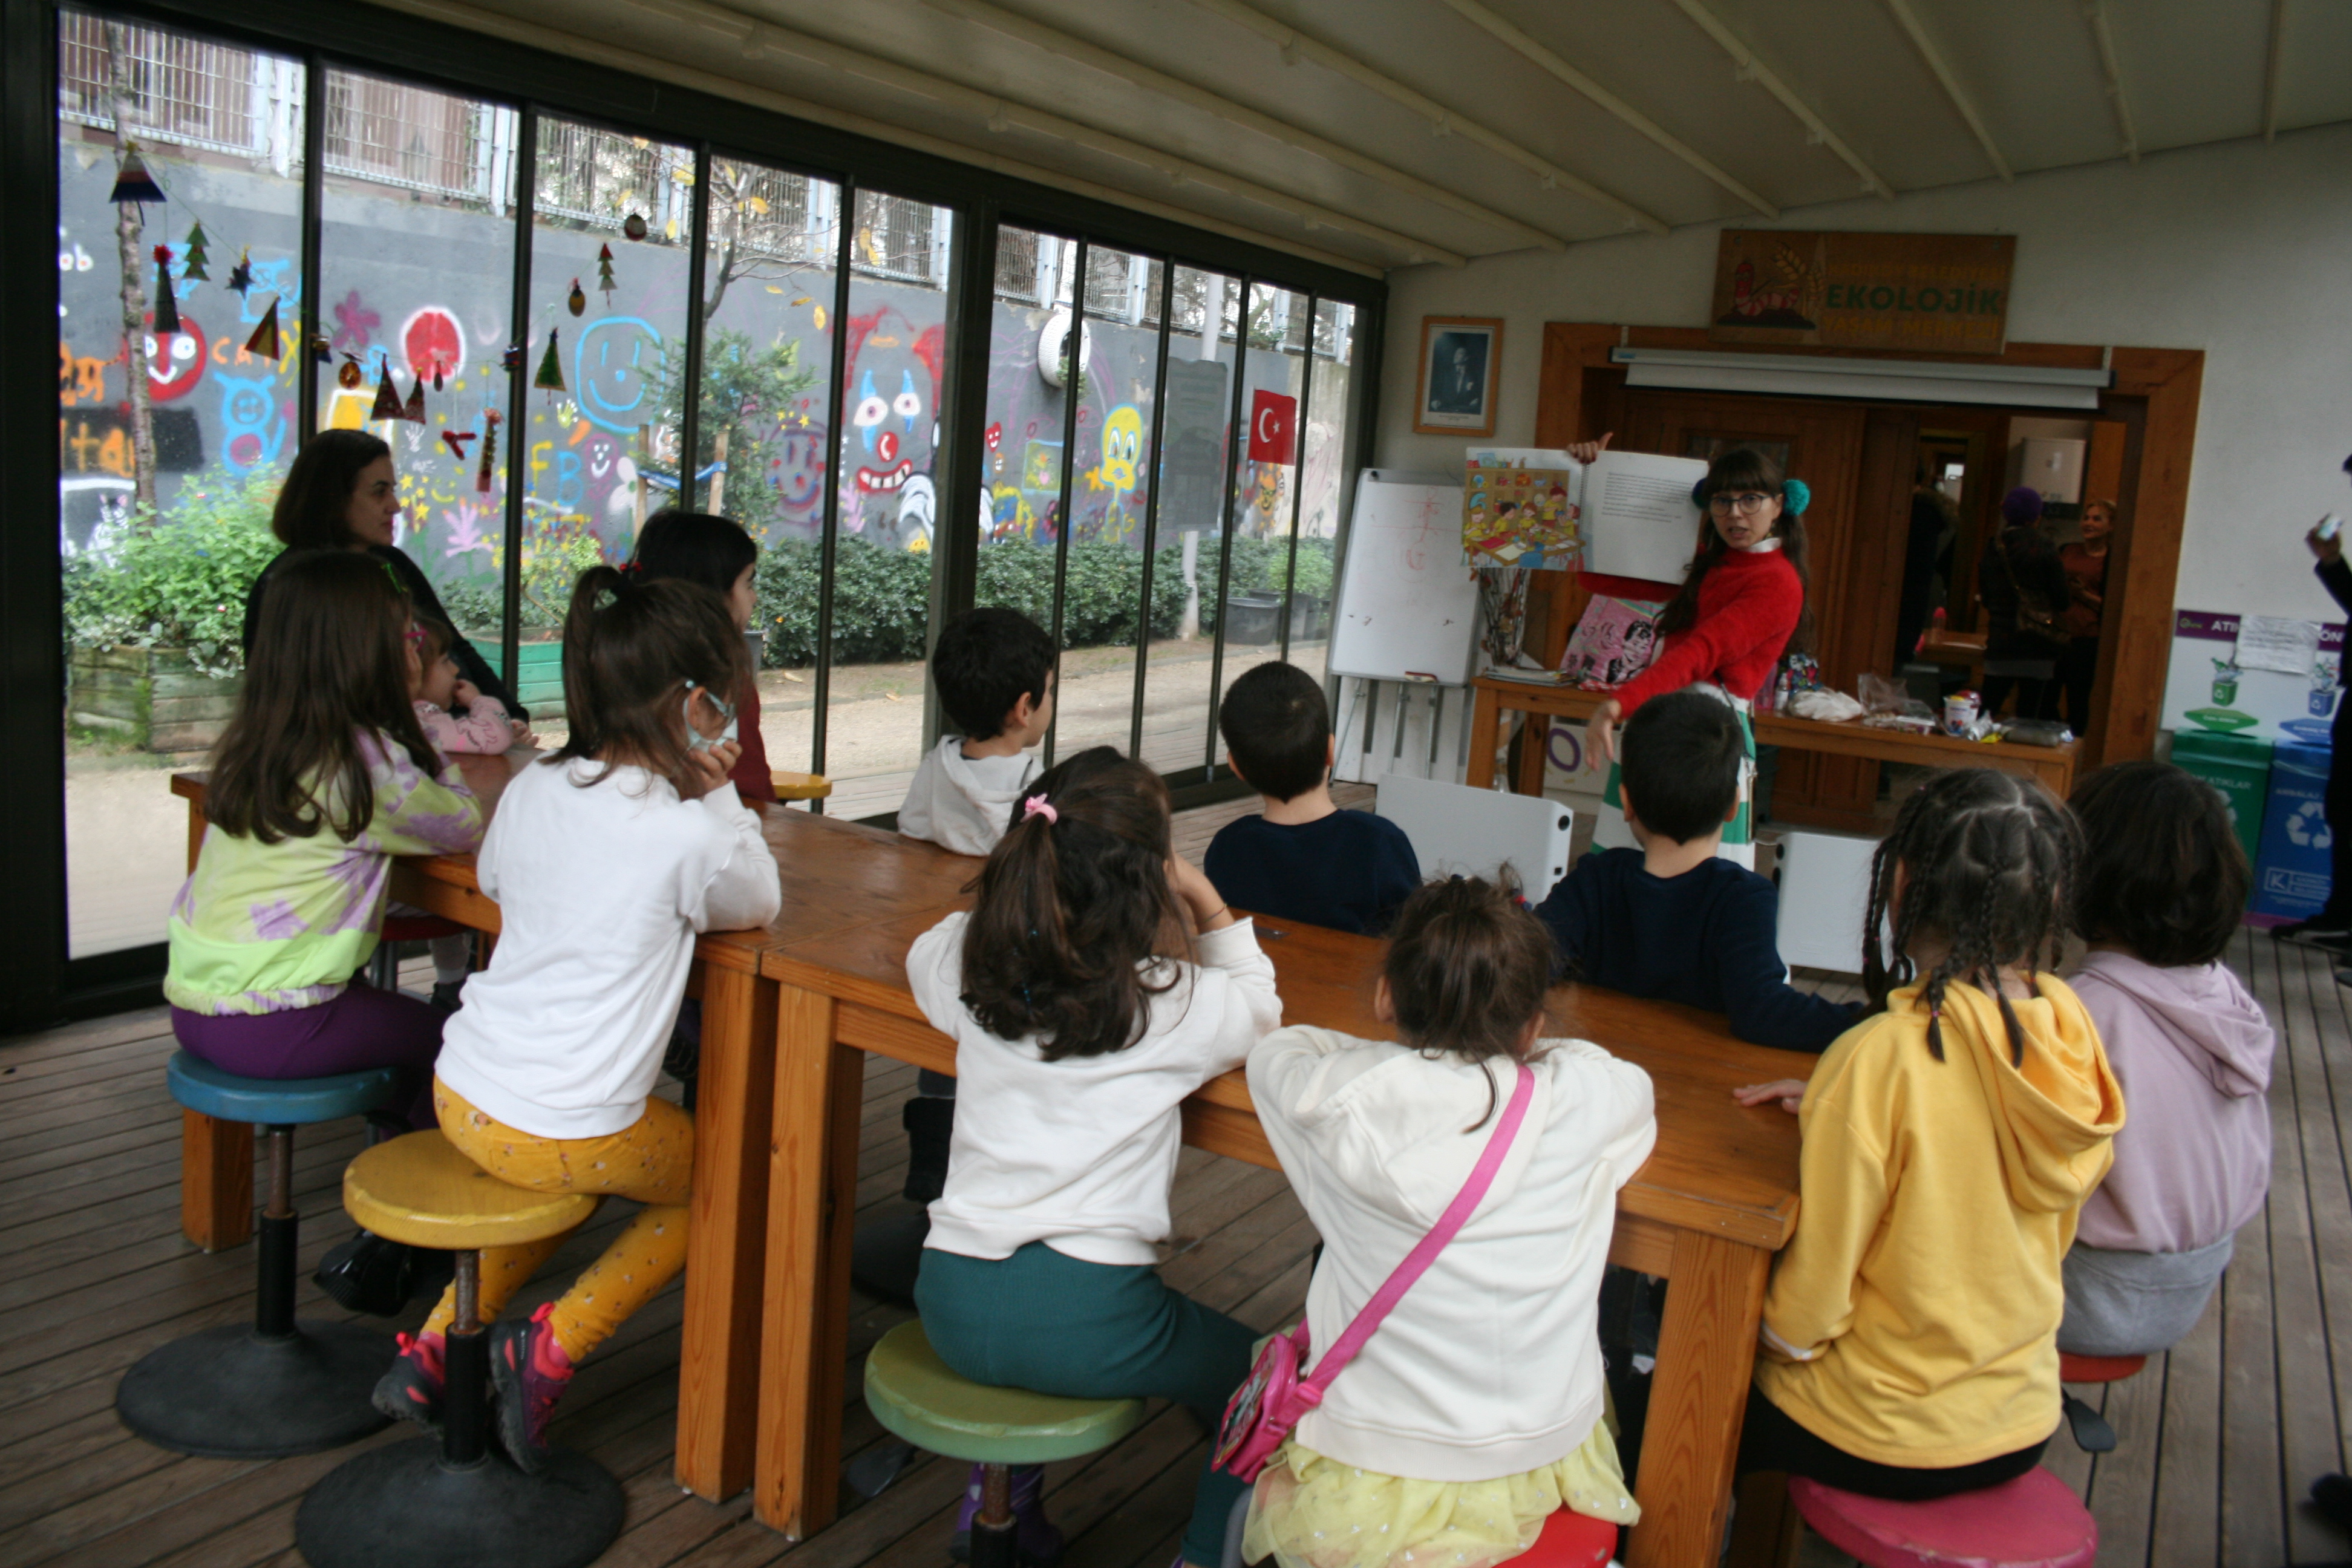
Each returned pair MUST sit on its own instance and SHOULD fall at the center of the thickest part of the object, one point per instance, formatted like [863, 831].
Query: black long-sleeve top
[419, 589]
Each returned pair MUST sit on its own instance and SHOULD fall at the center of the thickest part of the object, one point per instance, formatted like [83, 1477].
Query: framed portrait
[1461, 356]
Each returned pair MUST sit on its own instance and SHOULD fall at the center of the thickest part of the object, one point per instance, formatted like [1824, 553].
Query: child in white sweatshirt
[1083, 1014]
[606, 858]
[1473, 1414]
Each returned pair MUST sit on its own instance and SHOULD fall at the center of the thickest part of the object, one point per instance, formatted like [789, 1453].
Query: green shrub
[179, 581]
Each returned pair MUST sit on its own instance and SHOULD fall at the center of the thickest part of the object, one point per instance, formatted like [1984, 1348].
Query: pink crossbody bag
[1272, 1398]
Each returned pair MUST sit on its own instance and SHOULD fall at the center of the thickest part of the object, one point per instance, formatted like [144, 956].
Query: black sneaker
[2320, 930]
[369, 1274]
[449, 996]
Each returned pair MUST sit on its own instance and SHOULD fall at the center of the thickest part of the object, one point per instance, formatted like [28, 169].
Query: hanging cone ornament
[490, 451]
[415, 412]
[350, 377]
[167, 307]
[579, 301]
[132, 183]
[513, 358]
[604, 271]
[240, 276]
[192, 265]
[263, 344]
[387, 397]
[551, 369]
[322, 351]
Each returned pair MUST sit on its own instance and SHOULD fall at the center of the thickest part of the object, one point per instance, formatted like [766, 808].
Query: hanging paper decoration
[513, 358]
[264, 342]
[579, 301]
[551, 369]
[456, 440]
[437, 374]
[634, 226]
[240, 276]
[321, 349]
[192, 265]
[132, 183]
[351, 376]
[415, 412]
[387, 399]
[604, 271]
[490, 451]
[167, 307]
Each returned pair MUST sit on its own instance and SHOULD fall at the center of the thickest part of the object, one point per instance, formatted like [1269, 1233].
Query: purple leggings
[363, 1027]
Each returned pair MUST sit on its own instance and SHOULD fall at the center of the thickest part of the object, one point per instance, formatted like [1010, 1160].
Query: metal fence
[179, 89]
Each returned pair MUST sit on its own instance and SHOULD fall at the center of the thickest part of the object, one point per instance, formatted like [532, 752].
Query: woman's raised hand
[1601, 733]
[1585, 451]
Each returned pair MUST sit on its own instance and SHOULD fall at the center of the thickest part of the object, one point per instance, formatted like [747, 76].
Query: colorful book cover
[1615, 641]
[1519, 508]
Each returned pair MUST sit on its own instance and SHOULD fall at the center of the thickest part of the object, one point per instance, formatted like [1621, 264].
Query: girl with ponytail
[606, 859]
[1910, 1332]
[1084, 1012]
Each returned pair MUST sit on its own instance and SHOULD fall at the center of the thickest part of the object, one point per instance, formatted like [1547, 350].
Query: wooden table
[2053, 765]
[1707, 1210]
[837, 876]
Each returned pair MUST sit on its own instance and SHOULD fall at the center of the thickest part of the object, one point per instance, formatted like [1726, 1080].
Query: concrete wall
[2241, 249]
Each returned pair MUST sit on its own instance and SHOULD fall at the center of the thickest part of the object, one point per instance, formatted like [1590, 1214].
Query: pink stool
[2033, 1521]
[1571, 1541]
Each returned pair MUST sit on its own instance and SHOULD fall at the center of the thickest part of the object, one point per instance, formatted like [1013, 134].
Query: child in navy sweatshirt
[1669, 921]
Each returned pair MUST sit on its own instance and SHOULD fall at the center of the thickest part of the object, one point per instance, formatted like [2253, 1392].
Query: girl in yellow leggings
[605, 859]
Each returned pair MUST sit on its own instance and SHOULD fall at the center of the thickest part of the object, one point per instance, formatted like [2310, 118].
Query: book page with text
[1638, 515]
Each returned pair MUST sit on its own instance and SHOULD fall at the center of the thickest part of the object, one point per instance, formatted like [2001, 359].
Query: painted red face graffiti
[175, 361]
[434, 343]
[894, 377]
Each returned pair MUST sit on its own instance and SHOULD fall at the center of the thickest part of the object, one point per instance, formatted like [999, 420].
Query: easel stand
[1418, 728]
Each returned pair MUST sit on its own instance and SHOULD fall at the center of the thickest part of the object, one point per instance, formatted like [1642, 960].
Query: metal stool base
[228, 1393]
[401, 1507]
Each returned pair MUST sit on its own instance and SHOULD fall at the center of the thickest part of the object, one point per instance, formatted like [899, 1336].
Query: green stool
[915, 1395]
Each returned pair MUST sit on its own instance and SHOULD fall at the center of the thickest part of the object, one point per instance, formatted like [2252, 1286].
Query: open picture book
[1626, 514]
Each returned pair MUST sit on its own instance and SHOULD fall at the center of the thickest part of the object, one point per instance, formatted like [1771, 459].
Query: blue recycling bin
[2293, 866]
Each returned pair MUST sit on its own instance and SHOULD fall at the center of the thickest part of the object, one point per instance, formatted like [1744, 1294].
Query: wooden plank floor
[2219, 1440]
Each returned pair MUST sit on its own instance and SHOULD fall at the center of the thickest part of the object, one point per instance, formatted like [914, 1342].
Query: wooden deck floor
[2219, 1440]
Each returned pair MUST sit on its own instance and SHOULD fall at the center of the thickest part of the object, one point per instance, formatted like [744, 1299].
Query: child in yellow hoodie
[1910, 1331]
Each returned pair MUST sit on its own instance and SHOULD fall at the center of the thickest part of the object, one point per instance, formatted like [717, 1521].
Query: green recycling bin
[2237, 766]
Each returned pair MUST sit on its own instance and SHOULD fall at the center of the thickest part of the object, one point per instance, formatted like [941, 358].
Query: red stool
[383, 969]
[2093, 1433]
[2033, 1521]
[1572, 1541]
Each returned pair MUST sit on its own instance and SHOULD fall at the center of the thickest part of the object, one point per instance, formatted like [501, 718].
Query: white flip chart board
[1408, 604]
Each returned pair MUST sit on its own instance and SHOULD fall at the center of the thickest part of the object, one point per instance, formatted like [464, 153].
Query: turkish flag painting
[1273, 427]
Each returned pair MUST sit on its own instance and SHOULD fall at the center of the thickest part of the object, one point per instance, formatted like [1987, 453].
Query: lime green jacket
[265, 927]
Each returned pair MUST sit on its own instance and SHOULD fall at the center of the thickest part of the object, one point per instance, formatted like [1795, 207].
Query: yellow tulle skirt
[1310, 1511]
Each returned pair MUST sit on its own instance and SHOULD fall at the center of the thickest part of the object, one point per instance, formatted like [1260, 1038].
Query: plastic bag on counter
[1828, 706]
[1888, 705]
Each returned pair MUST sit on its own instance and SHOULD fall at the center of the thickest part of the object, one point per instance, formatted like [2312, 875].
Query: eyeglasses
[1748, 504]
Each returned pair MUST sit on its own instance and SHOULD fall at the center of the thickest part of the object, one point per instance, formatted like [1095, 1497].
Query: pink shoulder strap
[1416, 1262]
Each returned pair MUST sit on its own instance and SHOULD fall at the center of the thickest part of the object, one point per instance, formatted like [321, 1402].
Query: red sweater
[751, 774]
[1748, 606]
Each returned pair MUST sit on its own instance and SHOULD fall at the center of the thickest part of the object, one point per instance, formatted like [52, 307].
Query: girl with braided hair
[1910, 1331]
[1084, 1011]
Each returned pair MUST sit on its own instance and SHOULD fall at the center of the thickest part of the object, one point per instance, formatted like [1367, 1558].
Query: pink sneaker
[529, 1372]
[412, 1390]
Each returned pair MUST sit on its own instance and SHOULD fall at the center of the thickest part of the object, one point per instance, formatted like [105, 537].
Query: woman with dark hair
[717, 552]
[339, 494]
[2024, 592]
[2086, 564]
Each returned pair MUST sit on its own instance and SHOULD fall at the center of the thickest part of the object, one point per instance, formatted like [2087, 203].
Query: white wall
[2241, 249]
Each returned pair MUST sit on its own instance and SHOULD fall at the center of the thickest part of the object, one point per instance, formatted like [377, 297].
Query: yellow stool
[800, 786]
[457, 1501]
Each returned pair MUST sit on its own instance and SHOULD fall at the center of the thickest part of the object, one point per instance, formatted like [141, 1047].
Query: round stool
[915, 1395]
[281, 1386]
[2033, 1521]
[2092, 1434]
[457, 1502]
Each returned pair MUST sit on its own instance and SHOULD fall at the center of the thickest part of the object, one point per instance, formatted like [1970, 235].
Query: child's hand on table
[522, 734]
[1789, 1092]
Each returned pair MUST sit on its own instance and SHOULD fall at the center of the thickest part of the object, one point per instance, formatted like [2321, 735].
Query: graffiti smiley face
[617, 366]
[1122, 448]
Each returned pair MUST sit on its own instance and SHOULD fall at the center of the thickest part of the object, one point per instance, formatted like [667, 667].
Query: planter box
[539, 672]
[150, 697]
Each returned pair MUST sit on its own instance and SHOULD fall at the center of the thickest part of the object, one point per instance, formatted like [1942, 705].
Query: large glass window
[416, 283]
[172, 435]
[1322, 484]
[893, 379]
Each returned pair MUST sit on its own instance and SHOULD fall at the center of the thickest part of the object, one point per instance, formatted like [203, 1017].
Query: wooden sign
[1921, 293]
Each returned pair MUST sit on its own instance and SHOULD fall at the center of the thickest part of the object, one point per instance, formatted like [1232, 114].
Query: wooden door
[1824, 444]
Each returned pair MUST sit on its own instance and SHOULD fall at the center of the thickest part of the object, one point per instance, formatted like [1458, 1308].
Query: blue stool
[280, 1387]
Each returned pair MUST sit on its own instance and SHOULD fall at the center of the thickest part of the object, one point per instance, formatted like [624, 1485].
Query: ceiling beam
[2271, 66]
[2103, 33]
[1054, 41]
[1296, 45]
[1521, 43]
[1908, 20]
[1817, 129]
[756, 39]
